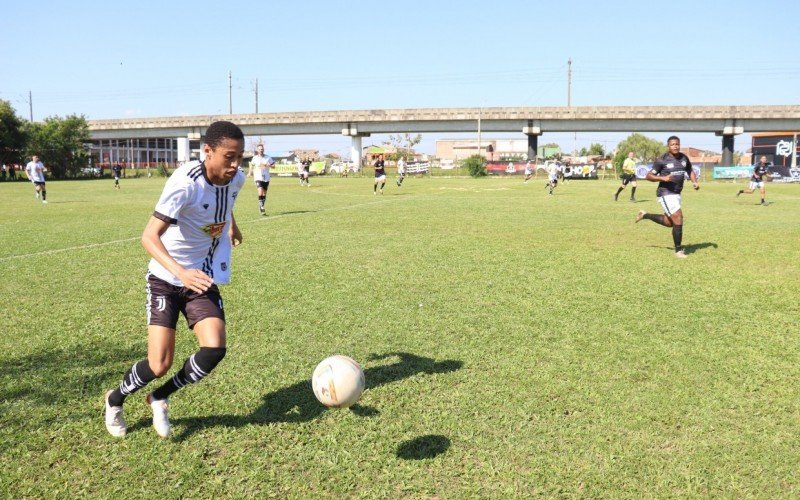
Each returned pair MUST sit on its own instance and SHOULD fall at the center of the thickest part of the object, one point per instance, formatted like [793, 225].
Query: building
[141, 153]
[491, 149]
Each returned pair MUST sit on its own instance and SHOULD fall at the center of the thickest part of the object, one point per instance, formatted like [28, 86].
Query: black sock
[382, 184]
[138, 376]
[657, 218]
[261, 200]
[375, 188]
[194, 369]
[740, 191]
[677, 236]
[633, 192]
[44, 195]
[762, 200]
[618, 191]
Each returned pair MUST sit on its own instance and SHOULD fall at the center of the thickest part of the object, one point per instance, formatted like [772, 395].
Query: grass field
[514, 344]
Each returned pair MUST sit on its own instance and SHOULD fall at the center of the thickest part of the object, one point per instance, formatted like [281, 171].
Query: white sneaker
[115, 421]
[44, 201]
[681, 254]
[160, 415]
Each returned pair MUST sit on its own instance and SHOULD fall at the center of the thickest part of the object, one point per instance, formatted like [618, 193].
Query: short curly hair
[220, 130]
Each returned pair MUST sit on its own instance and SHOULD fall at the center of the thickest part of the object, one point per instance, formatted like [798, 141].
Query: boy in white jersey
[259, 169]
[189, 238]
[35, 172]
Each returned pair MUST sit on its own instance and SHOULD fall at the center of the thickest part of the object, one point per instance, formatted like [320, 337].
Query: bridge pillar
[355, 144]
[728, 133]
[184, 152]
[533, 134]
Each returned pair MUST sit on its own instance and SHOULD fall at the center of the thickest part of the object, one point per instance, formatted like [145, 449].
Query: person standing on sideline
[380, 174]
[259, 170]
[35, 171]
[3, 172]
[628, 176]
[116, 172]
[670, 170]
[189, 237]
[757, 180]
[401, 171]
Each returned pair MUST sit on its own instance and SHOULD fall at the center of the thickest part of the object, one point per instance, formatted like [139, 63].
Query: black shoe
[633, 200]
[738, 193]
[616, 197]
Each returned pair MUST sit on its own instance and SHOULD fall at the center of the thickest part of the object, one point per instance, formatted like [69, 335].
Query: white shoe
[44, 201]
[115, 421]
[681, 254]
[160, 415]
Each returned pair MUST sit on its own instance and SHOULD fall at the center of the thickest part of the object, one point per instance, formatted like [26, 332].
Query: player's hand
[696, 186]
[196, 280]
[235, 235]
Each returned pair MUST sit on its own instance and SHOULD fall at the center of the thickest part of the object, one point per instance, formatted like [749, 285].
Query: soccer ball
[338, 381]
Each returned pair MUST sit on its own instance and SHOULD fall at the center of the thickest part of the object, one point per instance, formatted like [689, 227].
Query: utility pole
[569, 102]
[230, 93]
[30, 104]
[256, 95]
[480, 111]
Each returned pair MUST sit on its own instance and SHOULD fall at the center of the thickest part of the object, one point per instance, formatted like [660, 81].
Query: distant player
[628, 176]
[189, 238]
[35, 171]
[259, 170]
[528, 171]
[757, 180]
[670, 170]
[380, 174]
[116, 172]
[306, 172]
[401, 171]
[552, 177]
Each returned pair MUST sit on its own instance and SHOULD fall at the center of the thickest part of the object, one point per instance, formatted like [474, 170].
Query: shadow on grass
[294, 212]
[423, 447]
[296, 403]
[689, 249]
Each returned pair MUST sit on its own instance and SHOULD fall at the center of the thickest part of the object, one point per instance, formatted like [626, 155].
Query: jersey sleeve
[658, 166]
[174, 197]
[688, 165]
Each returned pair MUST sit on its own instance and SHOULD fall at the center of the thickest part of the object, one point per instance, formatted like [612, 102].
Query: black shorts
[165, 301]
[262, 184]
[626, 178]
[37, 183]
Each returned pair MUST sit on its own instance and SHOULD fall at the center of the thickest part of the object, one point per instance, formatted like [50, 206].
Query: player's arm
[250, 170]
[652, 175]
[193, 279]
[234, 232]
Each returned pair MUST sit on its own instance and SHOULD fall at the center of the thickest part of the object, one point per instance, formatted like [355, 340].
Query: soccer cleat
[44, 201]
[160, 409]
[681, 254]
[115, 421]
[633, 200]
[738, 193]
[381, 190]
[616, 197]
[640, 215]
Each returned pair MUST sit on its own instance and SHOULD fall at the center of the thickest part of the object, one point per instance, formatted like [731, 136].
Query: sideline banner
[742, 172]
[287, 169]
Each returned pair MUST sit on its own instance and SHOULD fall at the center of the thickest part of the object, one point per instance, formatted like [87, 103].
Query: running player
[528, 171]
[552, 177]
[306, 173]
[401, 171]
[189, 238]
[670, 170]
[259, 170]
[380, 174]
[116, 171]
[35, 171]
[628, 176]
[757, 180]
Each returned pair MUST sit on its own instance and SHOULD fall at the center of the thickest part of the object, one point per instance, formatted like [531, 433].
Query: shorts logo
[161, 303]
[224, 266]
[214, 230]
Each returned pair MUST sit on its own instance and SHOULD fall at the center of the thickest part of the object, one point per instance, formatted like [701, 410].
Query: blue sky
[113, 59]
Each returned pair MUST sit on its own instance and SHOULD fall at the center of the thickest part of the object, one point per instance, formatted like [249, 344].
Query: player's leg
[677, 232]
[262, 196]
[264, 200]
[620, 188]
[375, 186]
[633, 190]
[763, 192]
[206, 318]
[383, 183]
[44, 192]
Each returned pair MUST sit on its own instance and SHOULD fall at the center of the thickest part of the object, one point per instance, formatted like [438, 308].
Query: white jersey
[35, 170]
[552, 172]
[528, 170]
[260, 165]
[401, 167]
[200, 215]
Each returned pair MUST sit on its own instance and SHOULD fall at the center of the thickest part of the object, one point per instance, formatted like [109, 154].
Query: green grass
[514, 343]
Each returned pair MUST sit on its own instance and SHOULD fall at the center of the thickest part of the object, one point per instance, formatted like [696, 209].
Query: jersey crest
[214, 229]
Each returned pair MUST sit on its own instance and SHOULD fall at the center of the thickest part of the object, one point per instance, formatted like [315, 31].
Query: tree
[643, 147]
[12, 134]
[595, 149]
[404, 143]
[476, 165]
[59, 144]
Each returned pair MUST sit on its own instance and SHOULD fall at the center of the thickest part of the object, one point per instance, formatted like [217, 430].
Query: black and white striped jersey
[200, 216]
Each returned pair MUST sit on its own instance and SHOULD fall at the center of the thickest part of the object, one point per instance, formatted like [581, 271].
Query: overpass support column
[728, 133]
[184, 152]
[533, 134]
[355, 144]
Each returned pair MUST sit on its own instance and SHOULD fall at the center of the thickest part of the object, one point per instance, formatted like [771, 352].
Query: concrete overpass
[725, 121]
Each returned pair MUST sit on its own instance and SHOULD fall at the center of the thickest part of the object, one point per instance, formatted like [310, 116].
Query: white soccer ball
[338, 381]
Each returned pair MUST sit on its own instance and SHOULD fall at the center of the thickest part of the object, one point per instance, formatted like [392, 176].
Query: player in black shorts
[189, 237]
[380, 174]
[116, 171]
[757, 180]
[306, 175]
